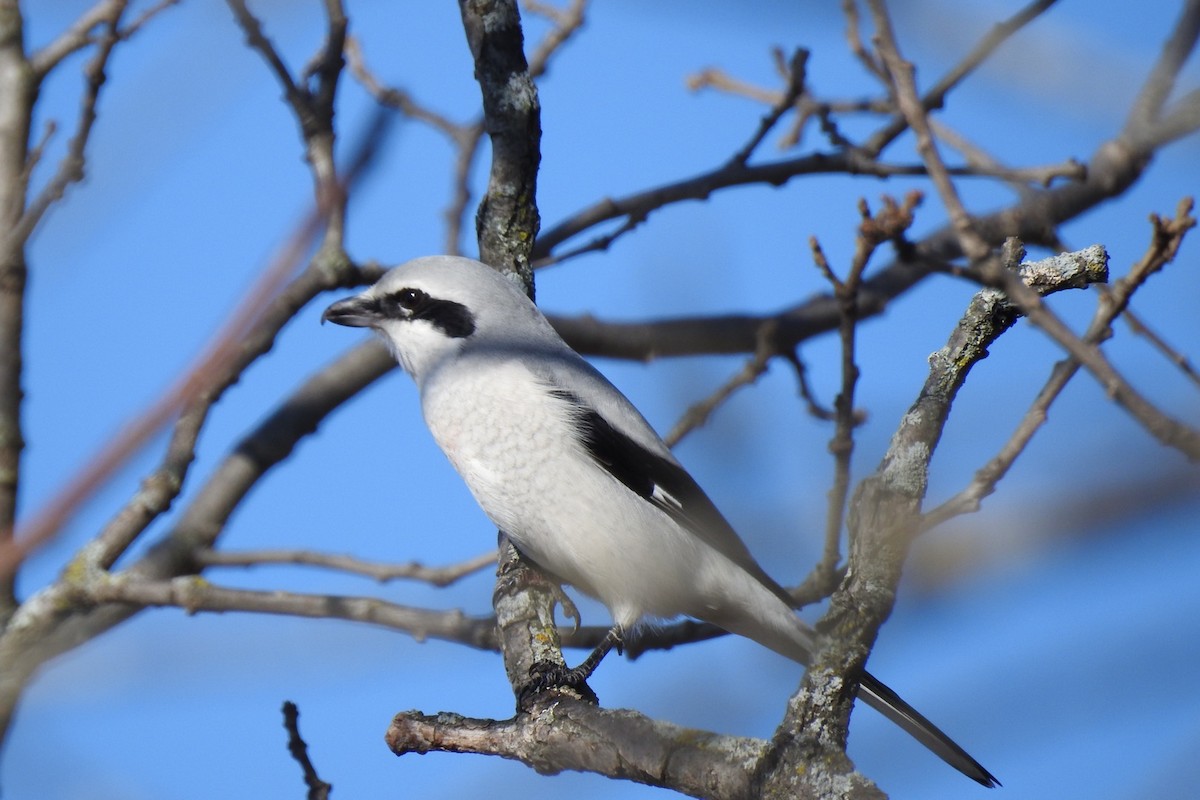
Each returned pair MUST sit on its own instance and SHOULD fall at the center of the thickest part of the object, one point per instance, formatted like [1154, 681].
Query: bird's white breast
[515, 446]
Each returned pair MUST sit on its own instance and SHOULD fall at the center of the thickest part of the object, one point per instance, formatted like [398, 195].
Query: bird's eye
[409, 298]
[403, 303]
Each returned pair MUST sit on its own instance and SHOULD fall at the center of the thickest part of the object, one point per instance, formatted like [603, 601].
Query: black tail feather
[891, 705]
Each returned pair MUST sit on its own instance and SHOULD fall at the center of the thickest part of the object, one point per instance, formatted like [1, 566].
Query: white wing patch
[665, 498]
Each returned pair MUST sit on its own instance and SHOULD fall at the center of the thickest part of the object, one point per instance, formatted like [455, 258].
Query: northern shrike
[564, 464]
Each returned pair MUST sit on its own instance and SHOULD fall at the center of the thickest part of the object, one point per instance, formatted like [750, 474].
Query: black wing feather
[664, 484]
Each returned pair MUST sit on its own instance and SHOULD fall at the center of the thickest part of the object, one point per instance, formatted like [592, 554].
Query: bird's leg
[614, 638]
[554, 676]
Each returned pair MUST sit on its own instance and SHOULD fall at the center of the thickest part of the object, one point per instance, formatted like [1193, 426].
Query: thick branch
[507, 221]
[571, 735]
[18, 88]
[885, 515]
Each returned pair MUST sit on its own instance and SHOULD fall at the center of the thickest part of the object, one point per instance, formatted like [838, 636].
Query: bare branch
[1111, 170]
[317, 788]
[508, 221]
[698, 414]
[1180, 360]
[902, 75]
[192, 393]
[794, 88]
[1145, 113]
[936, 96]
[195, 594]
[890, 224]
[634, 209]
[71, 167]
[567, 22]
[76, 37]
[1090, 265]
[1165, 241]
[248, 333]
[571, 735]
[18, 90]
[1168, 430]
[885, 516]
[980, 162]
[395, 98]
[436, 576]
[1181, 119]
[855, 43]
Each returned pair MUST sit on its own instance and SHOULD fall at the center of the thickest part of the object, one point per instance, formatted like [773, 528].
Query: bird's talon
[549, 677]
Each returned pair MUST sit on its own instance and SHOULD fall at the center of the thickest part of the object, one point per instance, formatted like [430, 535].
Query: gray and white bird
[564, 464]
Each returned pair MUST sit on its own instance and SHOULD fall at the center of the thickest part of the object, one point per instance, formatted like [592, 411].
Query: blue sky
[1059, 656]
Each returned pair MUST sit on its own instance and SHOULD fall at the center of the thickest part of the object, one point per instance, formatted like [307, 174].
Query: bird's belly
[521, 459]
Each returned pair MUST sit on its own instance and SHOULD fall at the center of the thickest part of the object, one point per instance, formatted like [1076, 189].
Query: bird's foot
[547, 676]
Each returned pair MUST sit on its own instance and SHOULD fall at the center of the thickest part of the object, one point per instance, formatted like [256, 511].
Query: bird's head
[429, 309]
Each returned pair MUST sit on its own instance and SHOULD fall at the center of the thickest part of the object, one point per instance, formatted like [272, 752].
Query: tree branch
[195, 594]
[885, 516]
[435, 576]
[507, 221]
[572, 735]
[317, 788]
[18, 90]
[1146, 111]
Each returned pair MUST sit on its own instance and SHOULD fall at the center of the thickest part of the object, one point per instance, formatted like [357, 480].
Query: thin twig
[855, 43]
[635, 208]
[1146, 110]
[936, 96]
[436, 576]
[465, 138]
[1168, 430]
[455, 214]
[979, 162]
[812, 406]
[295, 95]
[1165, 241]
[698, 414]
[317, 788]
[1180, 360]
[71, 167]
[395, 98]
[890, 224]
[721, 81]
[794, 88]
[194, 594]
[247, 333]
[567, 22]
[916, 115]
[150, 13]
[76, 37]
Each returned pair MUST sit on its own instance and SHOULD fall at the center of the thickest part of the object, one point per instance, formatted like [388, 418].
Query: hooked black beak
[353, 312]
